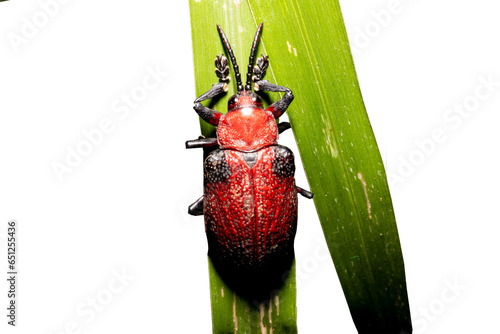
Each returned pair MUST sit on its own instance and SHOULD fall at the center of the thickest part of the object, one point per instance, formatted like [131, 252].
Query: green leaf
[309, 52]
[233, 313]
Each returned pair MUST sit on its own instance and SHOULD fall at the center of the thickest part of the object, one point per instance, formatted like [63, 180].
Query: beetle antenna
[252, 58]
[237, 74]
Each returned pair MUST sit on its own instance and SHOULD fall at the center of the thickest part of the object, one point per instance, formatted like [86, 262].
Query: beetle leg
[259, 70]
[196, 209]
[201, 142]
[221, 68]
[283, 126]
[279, 107]
[305, 193]
[209, 115]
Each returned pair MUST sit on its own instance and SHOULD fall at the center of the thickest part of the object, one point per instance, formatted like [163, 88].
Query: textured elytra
[283, 164]
[216, 167]
[250, 214]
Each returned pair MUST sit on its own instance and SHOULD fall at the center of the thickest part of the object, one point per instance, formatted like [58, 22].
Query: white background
[122, 208]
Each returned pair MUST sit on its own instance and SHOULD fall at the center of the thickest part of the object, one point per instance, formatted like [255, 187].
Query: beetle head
[247, 126]
[244, 99]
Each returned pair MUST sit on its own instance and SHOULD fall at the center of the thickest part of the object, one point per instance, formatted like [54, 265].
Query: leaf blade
[309, 51]
[232, 313]
[341, 160]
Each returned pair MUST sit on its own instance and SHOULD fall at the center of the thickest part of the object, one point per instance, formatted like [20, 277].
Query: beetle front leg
[209, 115]
[279, 107]
[222, 71]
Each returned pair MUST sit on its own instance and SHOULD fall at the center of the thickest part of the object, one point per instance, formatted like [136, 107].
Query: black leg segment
[202, 142]
[283, 126]
[279, 107]
[196, 209]
[305, 193]
[209, 115]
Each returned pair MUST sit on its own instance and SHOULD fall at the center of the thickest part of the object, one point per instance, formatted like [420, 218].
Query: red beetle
[250, 196]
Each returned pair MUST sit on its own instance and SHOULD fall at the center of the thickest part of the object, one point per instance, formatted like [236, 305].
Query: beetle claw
[222, 68]
[259, 70]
